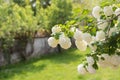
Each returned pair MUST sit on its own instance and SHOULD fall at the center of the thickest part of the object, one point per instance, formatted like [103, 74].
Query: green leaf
[104, 3]
[95, 65]
[114, 8]
[85, 12]
[103, 17]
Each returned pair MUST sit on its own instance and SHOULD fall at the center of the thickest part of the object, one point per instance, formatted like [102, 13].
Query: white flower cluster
[97, 11]
[82, 40]
[56, 29]
[104, 23]
[85, 39]
[106, 60]
[100, 35]
[63, 40]
[52, 42]
[87, 69]
[108, 11]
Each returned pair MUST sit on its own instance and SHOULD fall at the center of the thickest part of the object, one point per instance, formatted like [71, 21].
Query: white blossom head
[115, 60]
[52, 42]
[81, 69]
[90, 60]
[96, 12]
[112, 30]
[78, 35]
[117, 11]
[64, 42]
[91, 69]
[104, 60]
[87, 37]
[100, 35]
[108, 10]
[56, 29]
[81, 45]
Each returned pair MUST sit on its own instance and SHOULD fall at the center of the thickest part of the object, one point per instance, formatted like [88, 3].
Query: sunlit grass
[58, 66]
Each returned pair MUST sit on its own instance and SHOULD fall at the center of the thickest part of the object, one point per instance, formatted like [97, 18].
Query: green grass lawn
[59, 66]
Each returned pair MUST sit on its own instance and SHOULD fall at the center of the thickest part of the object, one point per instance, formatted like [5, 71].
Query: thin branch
[108, 20]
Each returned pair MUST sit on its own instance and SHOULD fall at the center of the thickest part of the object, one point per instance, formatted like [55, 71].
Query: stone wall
[38, 47]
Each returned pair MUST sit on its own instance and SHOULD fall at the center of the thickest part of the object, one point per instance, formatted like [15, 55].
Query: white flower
[117, 11]
[110, 61]
[72, 29]
[108, 10]
[78, 35]
[115, 60]
[106, 62]
[87, 37]
[90, 60]
[90, 69]
[102, 24]
[81, 69]
[56, 29]
[114, 29]
[64, 42]
[93, 47]
[96, 12]
[102, 63]
[81, 45]
[93, 39]
[118, 18]
[106, 56]
[52, 42]
[100, 35]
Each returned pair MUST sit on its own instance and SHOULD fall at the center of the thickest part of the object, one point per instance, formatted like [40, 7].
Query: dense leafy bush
[16, 20]
[45, 3]
[16, 23]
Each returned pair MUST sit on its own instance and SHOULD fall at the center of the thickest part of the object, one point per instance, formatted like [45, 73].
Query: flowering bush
[104, 44]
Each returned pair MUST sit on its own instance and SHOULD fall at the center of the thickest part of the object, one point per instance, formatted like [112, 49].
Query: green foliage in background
[45, 3]
[20, 2]
[15, 23]
[21, 19]
[56, 12]
[16, 20]
[59, 12]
